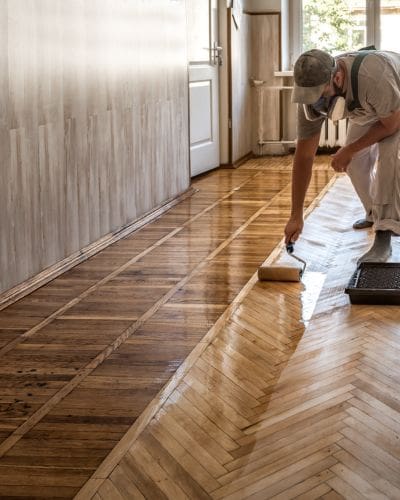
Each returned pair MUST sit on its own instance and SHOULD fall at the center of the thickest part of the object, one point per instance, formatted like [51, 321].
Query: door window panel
[198, 17]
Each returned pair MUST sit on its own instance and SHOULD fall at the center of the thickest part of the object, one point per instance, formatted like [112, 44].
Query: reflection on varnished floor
[82, 357]
[294, 395]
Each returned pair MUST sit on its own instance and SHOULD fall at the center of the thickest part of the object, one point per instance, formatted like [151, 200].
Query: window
[341, 25]
[334, 25]
[390, 23]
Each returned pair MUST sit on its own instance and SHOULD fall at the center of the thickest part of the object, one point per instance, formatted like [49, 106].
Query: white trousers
[375, 175]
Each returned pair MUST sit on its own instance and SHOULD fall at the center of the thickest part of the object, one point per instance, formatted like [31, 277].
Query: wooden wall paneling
[265, 44]
[51, 127]
[4, 144]
[93, 123]
[93, 185]
[241, 112]
[98, 106]
[71, 194]
[7, 138]
[21, 187]
[76, 92]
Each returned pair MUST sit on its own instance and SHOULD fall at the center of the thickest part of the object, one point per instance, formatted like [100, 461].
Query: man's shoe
[362, 224]
[381, 250]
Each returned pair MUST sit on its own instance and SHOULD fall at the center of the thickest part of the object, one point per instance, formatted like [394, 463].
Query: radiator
[333, 135]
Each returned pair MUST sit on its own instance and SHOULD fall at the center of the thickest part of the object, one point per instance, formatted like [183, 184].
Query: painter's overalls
[375, 170]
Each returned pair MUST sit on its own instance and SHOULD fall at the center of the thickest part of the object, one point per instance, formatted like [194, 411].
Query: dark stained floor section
[82, 357]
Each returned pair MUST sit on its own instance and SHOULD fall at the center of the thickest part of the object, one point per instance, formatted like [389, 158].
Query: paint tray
[375, 283]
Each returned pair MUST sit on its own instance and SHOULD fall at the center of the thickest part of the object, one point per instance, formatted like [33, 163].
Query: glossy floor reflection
[281, 402]
[313, 283]
[84, 358]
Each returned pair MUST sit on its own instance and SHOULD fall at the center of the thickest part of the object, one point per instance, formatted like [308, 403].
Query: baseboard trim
[26, 287]
[238, 162]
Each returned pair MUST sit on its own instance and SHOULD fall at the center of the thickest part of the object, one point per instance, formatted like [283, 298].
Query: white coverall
[375, 170]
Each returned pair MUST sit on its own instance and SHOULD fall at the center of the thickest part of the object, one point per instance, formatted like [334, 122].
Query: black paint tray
[375, 283]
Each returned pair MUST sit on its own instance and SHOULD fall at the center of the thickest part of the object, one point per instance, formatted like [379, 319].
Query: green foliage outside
[329, 25]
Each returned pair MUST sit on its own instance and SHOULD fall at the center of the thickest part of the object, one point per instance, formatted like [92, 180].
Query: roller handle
[290, 250]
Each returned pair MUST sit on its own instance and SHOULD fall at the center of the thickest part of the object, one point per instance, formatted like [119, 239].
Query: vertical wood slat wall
[241, 105]
[255, 49]
[265, 43]
[93, 123]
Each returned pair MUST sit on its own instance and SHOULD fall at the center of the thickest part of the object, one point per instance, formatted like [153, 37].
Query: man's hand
[381, 129]
[341, 159]
[293, 229]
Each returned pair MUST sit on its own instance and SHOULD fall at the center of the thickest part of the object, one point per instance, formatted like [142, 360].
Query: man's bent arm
[301, 175]
[385, 127]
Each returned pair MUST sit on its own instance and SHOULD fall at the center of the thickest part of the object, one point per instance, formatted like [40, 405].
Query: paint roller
[283, 273]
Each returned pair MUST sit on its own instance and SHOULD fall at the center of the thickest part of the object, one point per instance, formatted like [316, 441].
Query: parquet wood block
[287, 407]
[275, 406]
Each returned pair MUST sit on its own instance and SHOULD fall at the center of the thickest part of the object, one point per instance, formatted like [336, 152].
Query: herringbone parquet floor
[88, 359]
[293, 394]
[161, 367]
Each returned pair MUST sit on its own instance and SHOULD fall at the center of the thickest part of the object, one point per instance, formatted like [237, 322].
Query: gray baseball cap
[312, 71]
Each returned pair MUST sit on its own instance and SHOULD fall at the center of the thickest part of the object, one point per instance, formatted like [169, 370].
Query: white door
[204, 58]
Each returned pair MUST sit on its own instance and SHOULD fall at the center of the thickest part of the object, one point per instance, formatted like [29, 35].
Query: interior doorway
[205, 58]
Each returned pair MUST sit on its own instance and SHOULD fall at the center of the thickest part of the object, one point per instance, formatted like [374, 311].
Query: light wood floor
[161, 368]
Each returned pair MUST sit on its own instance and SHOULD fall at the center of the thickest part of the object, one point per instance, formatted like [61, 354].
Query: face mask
[333, 107]
[317, 110]
[337, 108]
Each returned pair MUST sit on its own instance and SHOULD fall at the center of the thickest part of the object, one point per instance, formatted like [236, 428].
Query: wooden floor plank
[367, 475]
[286, 403]
[231, 413]
[181, 477]
[183, 457]
[191, 425]
[332, 495]
[213, 431]
[366, 489]
[382, 439]
[308, 435]
[311, 400]
[133, 470]
[260, 485]
[203, 455]
[312, 487]
[287, 454]
[156, 473]
[375, 463]
[210, 377]
[108, 490]
[161, 368]
[212, 412]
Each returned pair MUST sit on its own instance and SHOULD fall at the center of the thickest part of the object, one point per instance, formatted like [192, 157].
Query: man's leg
[360, 172]
[385, 192]
[381, 249]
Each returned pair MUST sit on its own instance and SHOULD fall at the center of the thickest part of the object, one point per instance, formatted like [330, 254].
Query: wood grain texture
[241, 102]
[282, 403]
[93, 127]
[87, 360]
[265, 60]
[255, 50]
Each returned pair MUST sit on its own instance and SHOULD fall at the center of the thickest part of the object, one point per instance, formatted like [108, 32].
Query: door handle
[216, 54]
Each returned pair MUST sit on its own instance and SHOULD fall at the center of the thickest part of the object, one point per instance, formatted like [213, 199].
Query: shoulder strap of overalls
[355, 103]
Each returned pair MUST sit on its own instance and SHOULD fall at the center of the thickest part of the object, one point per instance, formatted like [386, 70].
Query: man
[373, 136]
